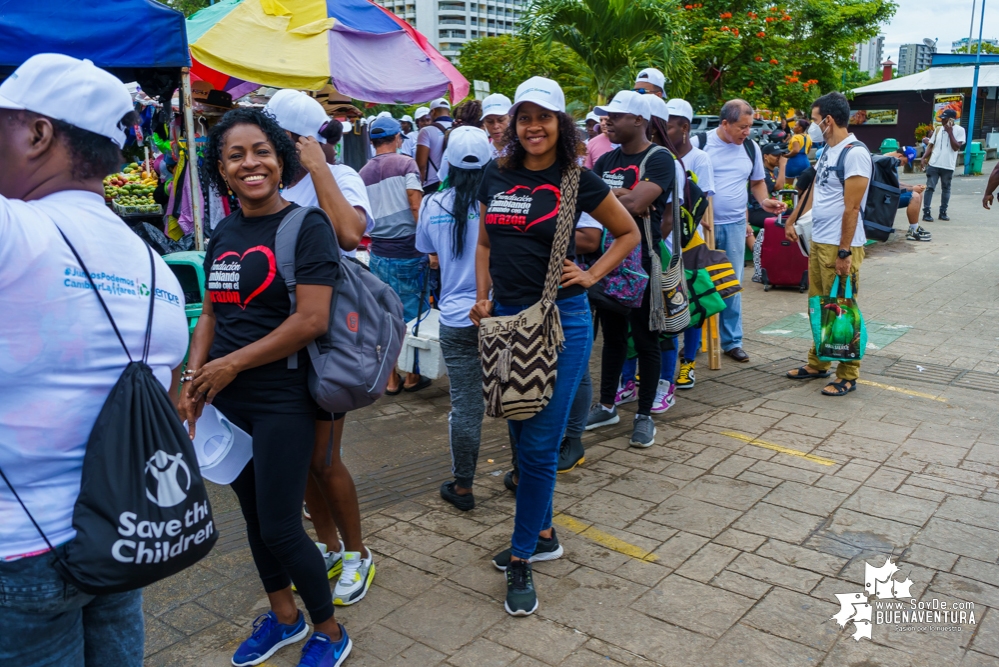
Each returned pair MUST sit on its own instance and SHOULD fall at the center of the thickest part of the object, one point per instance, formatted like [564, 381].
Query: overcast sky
[946, 20]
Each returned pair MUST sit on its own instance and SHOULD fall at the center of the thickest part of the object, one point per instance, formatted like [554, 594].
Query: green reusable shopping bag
[705, 300]
[838, 328]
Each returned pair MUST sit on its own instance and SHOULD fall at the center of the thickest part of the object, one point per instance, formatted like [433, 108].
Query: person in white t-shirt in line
[837, 246]
[940, 160]
[495, 120]
[408, 136]
[60, 357]
[430, 145]
[730, 148]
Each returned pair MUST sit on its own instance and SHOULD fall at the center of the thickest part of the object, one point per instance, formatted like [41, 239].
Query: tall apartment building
[914, 58]
[869, 55]
[963, 44]
[448, 24]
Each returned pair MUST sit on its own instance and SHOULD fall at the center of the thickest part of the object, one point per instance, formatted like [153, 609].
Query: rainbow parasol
[366, 51]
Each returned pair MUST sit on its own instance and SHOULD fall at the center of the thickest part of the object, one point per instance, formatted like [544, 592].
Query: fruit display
[131, 191]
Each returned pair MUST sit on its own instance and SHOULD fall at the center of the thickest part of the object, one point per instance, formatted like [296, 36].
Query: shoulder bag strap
[564, 225]
[152, 300]
[657, 307]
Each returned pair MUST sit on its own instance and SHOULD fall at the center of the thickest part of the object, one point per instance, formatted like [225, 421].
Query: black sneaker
[521, 599]
[927, 217]
[509, 483]
[545, 550]
[570, 454]
[463, 502]
[918, 234]
[943, 216]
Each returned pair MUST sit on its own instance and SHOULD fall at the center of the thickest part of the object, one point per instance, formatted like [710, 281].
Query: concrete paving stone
[850, 444]
[888, 505]
[694, 420]
[185, 586]
[611, 509]
[693, 605]
[800, 557]
[579, 483]
[378, 603]
[767, 412]
[781, 471]
[444, 524]
[596, 452]
[560, 501]
[379, 546]
[759, 480]
[948, 435]
[976, 659]
[983, 468]
[402, 578]
[850, 534]
[606, 467]
[803, 442]
[586, 658]
[405, 511]
[945, 486]
[651, 530]
[805, 498]
[381, 642]
[796, 617]
[779, 522]
[483, 578]
[713, 439]
[756, 452]
[537, 637]
[986, 639]
[746, 647]
[428, 564]
[869, 427]
[790, 408]
[856, 572]
[740, 540]
[582, 551]
[964, 588]
[847, 651]
[241, 597]
[642, 572]
[496, 538]
[709, 457]
[483, 653]
[724, 491]
[742, 422]
[930, 557]
[231, 565]
[212, 646]
[733, 466]
[707, 562]
[857, 471]
[979, 513]
[461, 553]
[615, 655]
[991, 496]
[887, 479]
[679, 548]
[813, 426]
[691, 515]
[416, 654]
[741, 584]
[915, 454]
[190, 618]
[840, 484]
[772, 572]
[527, 661]
[632, 460]
[977, 570]
[421, 619]
[160, 635]
[642, 485]
[959, 538]
[682, 472]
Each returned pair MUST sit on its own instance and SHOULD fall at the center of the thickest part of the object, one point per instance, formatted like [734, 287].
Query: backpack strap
[285, 244]
[750, 147]
[702, 139]
[840, 167]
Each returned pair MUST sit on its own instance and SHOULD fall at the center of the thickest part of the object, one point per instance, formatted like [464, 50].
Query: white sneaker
[333, 560]
[664, 397]
[355, 579]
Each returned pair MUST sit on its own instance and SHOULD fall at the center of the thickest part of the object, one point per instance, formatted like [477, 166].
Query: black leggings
[272, 503]
[615, 330]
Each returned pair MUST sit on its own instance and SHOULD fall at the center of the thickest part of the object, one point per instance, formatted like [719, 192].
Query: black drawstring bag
[143, 513]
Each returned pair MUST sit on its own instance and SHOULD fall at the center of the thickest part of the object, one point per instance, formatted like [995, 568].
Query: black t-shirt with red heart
[521, 211]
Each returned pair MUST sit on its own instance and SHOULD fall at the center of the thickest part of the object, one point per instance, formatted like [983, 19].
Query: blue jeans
[45, 621]
[731, 239]
[405, 277]
[539, 437]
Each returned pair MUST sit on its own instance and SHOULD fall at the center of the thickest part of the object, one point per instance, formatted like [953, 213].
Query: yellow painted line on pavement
[907, 392]
[779, 448]
[604, 539]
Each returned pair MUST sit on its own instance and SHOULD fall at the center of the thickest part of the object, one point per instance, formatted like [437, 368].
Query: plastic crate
[423, 351]
[155, 209]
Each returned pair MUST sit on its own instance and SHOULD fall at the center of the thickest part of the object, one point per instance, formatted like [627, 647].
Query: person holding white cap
[430, 145]
[495, 120]
[521, 196]
[650, 81]
[60, 357]
[448, 229]
[642, 177]
[408, 136]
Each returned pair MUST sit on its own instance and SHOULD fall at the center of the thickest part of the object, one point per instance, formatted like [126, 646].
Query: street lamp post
[974, 95]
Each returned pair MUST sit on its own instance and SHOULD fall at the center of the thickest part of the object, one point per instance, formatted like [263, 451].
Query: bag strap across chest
[565, 224]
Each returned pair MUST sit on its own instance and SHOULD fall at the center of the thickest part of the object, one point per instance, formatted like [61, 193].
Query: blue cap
[384, 127]
[910, 153]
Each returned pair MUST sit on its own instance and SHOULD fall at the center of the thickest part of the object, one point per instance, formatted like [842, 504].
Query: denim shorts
[904, 200]
[405, 277]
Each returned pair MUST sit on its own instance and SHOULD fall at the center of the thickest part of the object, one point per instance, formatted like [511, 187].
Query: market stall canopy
[114, 34]
[369, 53]
[937, 78]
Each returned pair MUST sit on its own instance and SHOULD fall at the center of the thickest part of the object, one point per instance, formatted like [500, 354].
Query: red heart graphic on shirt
[546, 216]
[271, 269]
[630, 167]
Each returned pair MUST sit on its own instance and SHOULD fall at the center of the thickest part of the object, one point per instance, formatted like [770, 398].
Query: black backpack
[879, 209]
[143, 512]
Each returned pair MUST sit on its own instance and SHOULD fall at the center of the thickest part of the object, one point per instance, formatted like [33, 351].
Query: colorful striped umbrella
[366, 51]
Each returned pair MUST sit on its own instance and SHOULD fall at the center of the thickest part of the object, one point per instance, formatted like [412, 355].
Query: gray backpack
[352, 363]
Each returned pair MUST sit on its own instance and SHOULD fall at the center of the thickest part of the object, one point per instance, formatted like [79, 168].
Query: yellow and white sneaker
[333, 560]
[355, 579]
[685, 380]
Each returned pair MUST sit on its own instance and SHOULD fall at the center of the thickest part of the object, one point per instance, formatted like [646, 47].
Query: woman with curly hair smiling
[238, 363]
[520, 197]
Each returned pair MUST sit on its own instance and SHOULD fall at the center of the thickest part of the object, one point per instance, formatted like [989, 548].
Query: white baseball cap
[592, 116]
[421, 112]
[223, 449]
[384, 114]
[653, 76]
[468, 147]
[71, 90]
[657, 106]
[543, 92]
[440, 103]
[626, 101]
[680, 107]
[406, 118]
[298, 113]
[496, 104]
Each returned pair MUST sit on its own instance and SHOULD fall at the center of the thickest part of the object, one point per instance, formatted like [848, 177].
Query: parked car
[703, 123]
[761, 130]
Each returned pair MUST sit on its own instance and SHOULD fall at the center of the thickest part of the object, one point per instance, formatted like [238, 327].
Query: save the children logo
[168, 479]
[879, 604]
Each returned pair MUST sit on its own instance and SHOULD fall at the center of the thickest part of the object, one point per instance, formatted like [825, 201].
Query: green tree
[973, 48]
[188, 7]
[614, 39]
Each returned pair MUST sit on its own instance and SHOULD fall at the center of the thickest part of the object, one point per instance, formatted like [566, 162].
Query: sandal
[801, 374]
[397, 391]
[840, 387]
[423, 383]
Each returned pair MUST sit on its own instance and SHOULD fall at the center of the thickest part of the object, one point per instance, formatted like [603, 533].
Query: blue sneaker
[321, 651]
[268, 636]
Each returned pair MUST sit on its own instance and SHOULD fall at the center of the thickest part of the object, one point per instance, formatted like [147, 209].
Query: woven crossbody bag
[519, 352]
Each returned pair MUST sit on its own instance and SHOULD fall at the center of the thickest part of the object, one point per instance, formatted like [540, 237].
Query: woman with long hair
[520, 198]
[797, 150]
[238, 363]
[448, 230]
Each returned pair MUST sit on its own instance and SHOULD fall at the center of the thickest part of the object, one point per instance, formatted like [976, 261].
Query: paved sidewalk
[726, 543]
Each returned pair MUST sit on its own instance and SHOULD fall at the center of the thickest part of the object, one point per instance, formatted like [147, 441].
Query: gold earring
[281, 185]
[228, 189]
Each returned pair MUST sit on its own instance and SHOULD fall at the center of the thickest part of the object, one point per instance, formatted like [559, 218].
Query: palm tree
[614, 38]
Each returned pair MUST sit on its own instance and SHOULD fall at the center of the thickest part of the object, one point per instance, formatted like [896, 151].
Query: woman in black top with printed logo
[238, 363]
[520, 198]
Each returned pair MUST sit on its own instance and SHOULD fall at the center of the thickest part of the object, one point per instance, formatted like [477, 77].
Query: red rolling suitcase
[781, 262]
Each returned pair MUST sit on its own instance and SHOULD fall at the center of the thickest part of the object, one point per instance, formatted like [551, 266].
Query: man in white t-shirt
[940, 161]
[59, 356]
[837, 247]
[430, 145]
[736, 160]
[409, 136]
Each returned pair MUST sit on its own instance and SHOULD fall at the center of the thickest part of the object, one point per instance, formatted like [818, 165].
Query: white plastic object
[223, 449]
[427, 346]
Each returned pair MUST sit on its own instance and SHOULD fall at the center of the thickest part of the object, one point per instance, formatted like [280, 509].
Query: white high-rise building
[448, 24]
[869, 55]
[914, 58]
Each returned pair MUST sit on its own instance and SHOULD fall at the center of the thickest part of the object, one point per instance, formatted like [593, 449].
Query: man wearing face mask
[837, 247]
